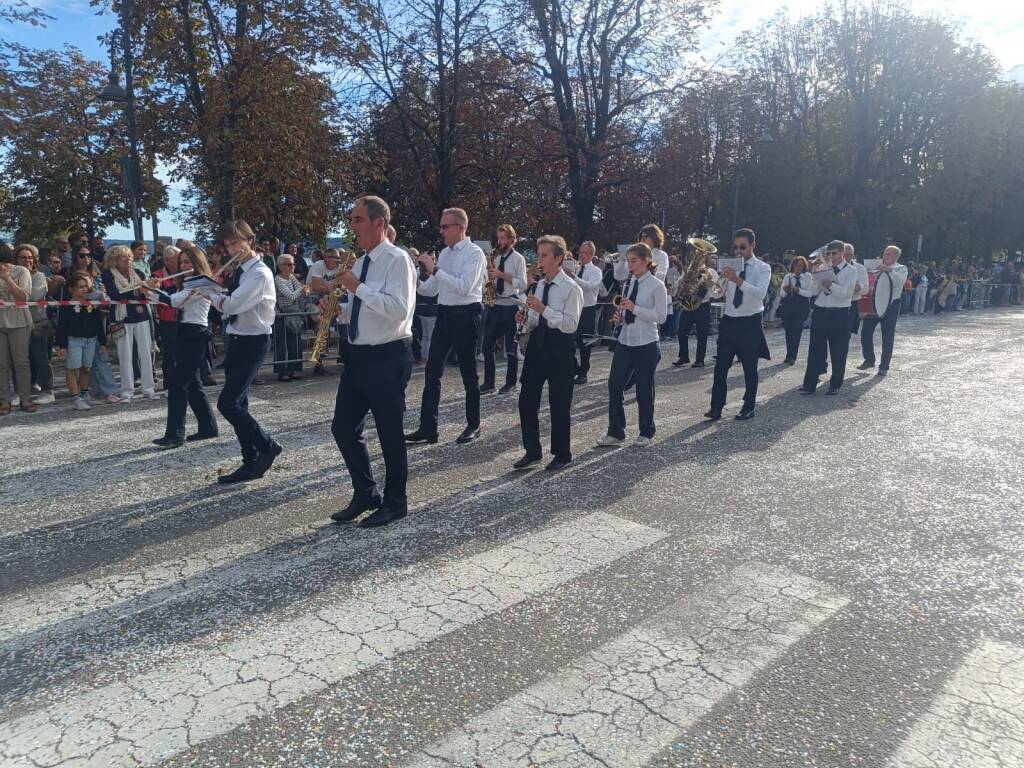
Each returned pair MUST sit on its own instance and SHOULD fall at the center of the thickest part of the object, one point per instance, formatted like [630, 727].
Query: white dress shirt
[660, 258]
[899, 279]
[195, 308]
[803, 282]
[588, 278]
[388, 296]
[252, 301]
[840, 293]
[515, 263]
[713, 291]
[651, 310]
[562, 311]
[756, 277]
[862, 279]
[459, 276]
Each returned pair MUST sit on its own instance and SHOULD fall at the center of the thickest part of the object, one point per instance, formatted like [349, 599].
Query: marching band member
[651, 236]
[830, 324]
[509, 276]
[797, 290]
[891, 265]
[849, 254]
[740, 333]
[378, 362]
[192, 337]
[700, 319]
[588, 277]
[249, 309]
[552, 316]
[643, 309]
[457, 279]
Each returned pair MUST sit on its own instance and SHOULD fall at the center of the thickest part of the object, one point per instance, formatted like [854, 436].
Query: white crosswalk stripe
[205, 693]
[978, 719]
[626, 701]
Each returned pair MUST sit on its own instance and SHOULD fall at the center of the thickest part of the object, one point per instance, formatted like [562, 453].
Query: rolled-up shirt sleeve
[566, 319]
[248, 294]
[470, 271]
[756, 285]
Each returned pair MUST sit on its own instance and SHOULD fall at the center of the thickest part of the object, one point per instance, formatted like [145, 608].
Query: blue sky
[999, 24]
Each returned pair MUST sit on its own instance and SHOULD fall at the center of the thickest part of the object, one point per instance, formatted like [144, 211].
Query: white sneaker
[151, 395]
[36, 389]
[643, 442]
[87, 396]
[126, 399]
[79, 404]
[43, 398]
[15, 401]
[607, 441]
[114, 399]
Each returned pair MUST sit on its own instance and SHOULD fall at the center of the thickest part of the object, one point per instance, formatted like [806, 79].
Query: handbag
[115, 332]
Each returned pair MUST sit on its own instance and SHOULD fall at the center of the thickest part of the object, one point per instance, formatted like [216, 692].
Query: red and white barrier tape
[70, 303]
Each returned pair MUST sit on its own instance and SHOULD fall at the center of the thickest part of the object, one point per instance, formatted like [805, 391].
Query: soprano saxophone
[329, 312]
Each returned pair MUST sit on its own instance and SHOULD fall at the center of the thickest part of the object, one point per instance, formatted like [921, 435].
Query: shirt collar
[461, 244]
[379, 250]
[646, 275]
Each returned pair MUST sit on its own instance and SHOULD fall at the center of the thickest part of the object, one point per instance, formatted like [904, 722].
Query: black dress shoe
[579, 381]
[526, 462]
[356, 507]
[745, 414]
[805, 391]
[419, 436]
[882, 372]
[556, 464]
[832, 391]
[202, 436]
[383, 516]
[789, 361]
[209, 381]
[469, 434]
[170, 445]
[164, 441]
[865, 366]
[486, 388]
[713, 414]
[266, 459]
[679, 362]
[506, 388]
[241, 475]
[697, 365]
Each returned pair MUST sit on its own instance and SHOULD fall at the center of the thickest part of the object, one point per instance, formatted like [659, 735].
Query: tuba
[696, 281]
[329, 312]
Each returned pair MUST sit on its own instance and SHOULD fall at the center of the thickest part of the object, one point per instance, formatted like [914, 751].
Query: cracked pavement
[838, 582]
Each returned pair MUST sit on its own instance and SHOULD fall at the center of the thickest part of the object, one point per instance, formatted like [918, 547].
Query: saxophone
[329, 312]
[696, 282]
[490, 287]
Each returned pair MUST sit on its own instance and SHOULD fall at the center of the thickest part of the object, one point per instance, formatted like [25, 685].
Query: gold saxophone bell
[328, 313]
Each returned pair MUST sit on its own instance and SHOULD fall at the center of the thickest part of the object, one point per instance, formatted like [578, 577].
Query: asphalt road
[837, 582]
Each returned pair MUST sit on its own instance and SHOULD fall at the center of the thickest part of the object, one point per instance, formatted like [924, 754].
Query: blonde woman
[130, 324]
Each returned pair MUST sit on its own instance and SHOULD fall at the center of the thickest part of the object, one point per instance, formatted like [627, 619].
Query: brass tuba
[696, 281]
[329, 312]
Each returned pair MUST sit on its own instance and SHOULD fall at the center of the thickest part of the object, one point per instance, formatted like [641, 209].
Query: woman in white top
[797, 290]
[185, 387]
[644, 307]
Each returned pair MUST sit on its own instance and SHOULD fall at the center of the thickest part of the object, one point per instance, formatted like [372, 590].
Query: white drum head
[884, 290]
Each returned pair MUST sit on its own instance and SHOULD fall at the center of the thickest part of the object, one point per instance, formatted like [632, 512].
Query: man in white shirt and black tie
[509, 275]
[830, 321]
[890, 269]
[457, 279]
[249, 315]
[552, 317]
[378, 362]
[588, 278]
[740, 333]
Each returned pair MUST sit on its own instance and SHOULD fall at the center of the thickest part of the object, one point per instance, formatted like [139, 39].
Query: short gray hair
[849, 248]
[589, 244]
[173, 250]
[458, 214]
[376, 208]
[285, 258]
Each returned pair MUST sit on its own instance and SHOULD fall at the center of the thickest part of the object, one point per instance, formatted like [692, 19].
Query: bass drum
[880, 294]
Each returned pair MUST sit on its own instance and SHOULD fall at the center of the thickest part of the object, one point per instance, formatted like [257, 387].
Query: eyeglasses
[446, 226]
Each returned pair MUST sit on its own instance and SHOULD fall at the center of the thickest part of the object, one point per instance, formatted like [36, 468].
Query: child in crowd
[78, 330]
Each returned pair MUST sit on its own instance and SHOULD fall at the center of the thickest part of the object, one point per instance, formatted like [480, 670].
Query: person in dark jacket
[79, 333]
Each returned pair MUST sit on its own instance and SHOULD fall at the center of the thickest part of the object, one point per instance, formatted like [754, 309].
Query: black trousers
[287, 346]
[551, 362]
[795, 315]
[629, 363]
[500, 323]
[743, 338]
[168, 349]
[244, 357]
[584, 339]
[185, 387]
[854, 318]
[456, 329]
[830, 339]
[374, 381]
[700, 319]
[867, 335]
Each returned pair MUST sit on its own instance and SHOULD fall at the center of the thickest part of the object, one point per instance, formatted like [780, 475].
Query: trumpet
[329, 312]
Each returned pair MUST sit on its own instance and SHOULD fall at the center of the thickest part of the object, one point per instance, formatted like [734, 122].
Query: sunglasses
[85, 255]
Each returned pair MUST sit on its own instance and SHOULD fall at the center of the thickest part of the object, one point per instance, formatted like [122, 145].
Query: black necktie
[630, 317]
[835, 270]
[500, 284]
[580, 275]
[542, 324]
[737, 297]
[353, 323]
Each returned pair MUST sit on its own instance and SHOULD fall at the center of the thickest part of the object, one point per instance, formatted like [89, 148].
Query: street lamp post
[113, 92]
